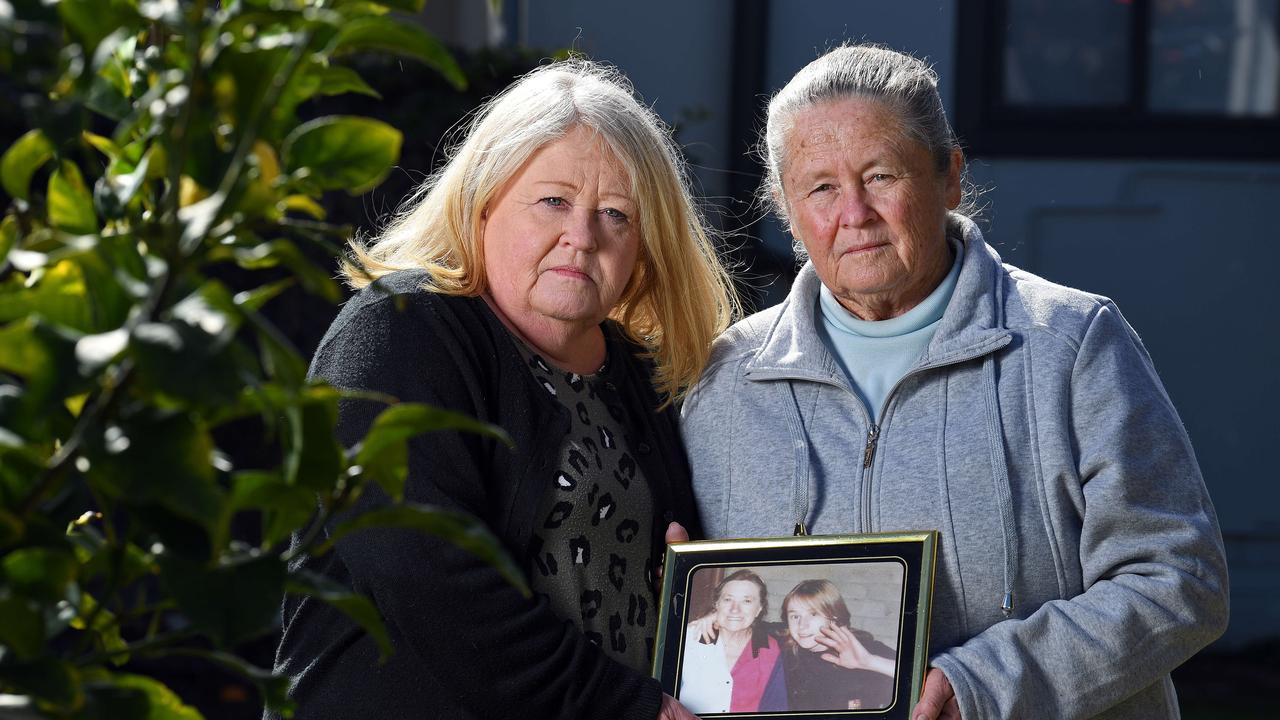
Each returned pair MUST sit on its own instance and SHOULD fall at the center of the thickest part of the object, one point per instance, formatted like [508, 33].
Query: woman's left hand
[847, 652]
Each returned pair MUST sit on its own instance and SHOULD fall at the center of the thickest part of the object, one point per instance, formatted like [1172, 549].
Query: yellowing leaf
[27, 154]
[190, 192]
[70, 202]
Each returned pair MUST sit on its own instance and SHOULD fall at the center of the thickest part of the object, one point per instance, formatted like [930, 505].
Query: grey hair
[903, 83]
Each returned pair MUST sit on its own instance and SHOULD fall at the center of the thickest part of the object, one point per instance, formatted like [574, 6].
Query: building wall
[677, 54]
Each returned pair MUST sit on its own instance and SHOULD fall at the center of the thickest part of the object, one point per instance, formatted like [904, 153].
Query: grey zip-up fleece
[1035, 436]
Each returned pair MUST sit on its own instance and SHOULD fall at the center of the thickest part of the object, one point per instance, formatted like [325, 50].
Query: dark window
[1155, 78]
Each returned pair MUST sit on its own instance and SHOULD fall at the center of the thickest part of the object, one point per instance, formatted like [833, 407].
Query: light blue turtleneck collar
[875, 354]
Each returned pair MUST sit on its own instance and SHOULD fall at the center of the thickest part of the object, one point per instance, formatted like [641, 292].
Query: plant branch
[62, 459]
[249, 133]
[147, 646]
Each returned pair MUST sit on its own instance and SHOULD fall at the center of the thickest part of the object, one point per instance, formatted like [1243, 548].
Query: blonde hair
[680, 296]
[821, 595]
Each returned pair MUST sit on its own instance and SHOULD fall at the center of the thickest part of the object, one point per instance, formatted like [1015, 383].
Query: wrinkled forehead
[840, 127]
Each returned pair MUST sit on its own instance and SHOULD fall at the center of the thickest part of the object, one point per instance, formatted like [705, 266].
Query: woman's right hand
[706, 628]
[672, 710]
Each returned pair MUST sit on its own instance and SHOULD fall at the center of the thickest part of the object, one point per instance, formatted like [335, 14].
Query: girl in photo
[825, 663]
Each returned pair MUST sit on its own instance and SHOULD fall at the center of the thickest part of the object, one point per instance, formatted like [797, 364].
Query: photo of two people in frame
[792, 638]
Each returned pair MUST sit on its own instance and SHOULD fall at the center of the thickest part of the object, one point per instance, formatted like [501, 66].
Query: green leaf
[11, 526]
[94, 352]
[58, 296]
[457, 528]
[129, 563]
[70, 202]
[304, 204]
[110, 88]
[105, 626]
[40, 573]
[229, 602]
[383, 455]
[23, 628]
[23, 158]
[170, 354]
[274, 688]
[196, 219]
[314, 457]
[391, 35]
[178, 534]
[258, 297]
[46, 678]
[164, 703]
[159, 459]
[211, 310]
[412, 6]
[80, 287]
[24, 352]
[355, 606]
[314, 77]
[103, 145]
[165, 11]
[107, 701]
[44, 355]
[124, 186]
[279, 358]
[343, 152]
[405, 420]
[284, 507]
[337, 79]
[21, 465]
[314, 278]
[8, 236]
[93, 20]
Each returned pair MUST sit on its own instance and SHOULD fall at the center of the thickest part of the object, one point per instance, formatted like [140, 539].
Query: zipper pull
[869, 453]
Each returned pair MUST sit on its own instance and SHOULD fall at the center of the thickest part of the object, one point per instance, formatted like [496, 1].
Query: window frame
[989, 127]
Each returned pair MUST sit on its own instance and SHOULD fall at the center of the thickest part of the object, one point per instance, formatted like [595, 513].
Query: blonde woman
[553, 278]
[826, 664]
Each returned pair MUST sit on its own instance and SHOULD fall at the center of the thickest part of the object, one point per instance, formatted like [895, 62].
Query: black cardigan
[467, 644]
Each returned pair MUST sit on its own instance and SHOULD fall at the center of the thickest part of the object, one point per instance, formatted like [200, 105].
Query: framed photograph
[825, 626]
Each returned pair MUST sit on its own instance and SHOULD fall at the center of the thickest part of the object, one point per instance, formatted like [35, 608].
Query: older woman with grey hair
[912, 380]
[553, 278]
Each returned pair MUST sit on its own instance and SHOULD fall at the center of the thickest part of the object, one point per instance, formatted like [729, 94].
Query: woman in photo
[553, 278]
[825, 663]
[729, 655]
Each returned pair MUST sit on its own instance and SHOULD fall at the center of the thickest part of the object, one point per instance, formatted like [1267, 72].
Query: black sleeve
[498, 653]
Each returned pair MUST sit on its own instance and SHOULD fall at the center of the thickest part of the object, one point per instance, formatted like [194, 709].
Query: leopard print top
[590, 554]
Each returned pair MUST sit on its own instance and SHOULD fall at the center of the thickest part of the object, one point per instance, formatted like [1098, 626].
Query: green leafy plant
[163, 156]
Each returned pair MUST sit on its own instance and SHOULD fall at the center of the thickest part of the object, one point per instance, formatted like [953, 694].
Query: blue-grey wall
[1184, 247]
[677, 54]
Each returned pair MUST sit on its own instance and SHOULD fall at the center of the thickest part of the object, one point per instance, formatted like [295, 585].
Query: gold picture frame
[764, 601]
